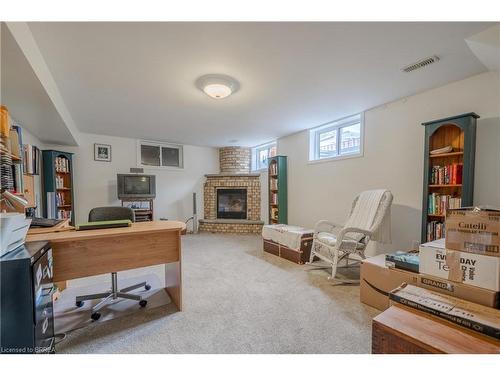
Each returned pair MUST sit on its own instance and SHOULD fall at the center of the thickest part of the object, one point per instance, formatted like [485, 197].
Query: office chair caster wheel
[143, 303]
[79, 303]
[95, 316]
[147, 286]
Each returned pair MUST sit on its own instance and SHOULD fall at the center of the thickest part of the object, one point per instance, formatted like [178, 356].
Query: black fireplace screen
[231, 203]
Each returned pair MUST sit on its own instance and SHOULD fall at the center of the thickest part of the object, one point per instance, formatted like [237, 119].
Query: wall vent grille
[420, 64]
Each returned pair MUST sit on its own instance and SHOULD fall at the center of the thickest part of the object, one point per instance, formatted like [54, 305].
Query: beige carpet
[238, 299]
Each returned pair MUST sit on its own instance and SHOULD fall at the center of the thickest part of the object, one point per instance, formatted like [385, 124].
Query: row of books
[31, 159]
[60, 200]
[63, 214]
[273, 198]
[274, 213]
[435, 230]
[273, 169]
[446, 175]
[438, 204]
[273, 184]
[59, 182]
[62, 164]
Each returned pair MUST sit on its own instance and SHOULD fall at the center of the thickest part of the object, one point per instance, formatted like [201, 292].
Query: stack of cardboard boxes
[466, 264]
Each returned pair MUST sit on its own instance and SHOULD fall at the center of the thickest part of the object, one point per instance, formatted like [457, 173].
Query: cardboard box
[377, 281]
[473, 230]
[469, 293]
[471, 269]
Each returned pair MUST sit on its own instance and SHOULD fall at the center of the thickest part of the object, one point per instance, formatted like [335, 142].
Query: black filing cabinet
[26, 310]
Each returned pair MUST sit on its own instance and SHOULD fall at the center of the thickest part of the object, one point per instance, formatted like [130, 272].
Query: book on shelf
[60, 201]
[273, 184]
[439, 203]
[435, 230]
[273, 169]
[446, 175]
[274, 213]
[59, 182]
[274, 198]
[63, 214]
[62, 165]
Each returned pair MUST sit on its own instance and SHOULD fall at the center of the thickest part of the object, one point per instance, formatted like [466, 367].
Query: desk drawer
[44, 325]
[42, 274]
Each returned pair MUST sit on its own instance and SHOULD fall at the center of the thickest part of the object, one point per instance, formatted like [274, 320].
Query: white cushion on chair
[327, 238]
[330, 239]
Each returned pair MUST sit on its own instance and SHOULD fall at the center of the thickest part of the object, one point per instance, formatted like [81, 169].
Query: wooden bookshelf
[448, 177]
[277, 188]
[58, 185]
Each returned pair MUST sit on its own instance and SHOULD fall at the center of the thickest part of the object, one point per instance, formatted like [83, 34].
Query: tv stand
[143, 208]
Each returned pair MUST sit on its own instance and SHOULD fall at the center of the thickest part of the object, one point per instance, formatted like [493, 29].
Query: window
[156, 154]
[261, 154]
[338, 139]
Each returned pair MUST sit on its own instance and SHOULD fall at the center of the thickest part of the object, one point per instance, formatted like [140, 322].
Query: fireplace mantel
[249, 175]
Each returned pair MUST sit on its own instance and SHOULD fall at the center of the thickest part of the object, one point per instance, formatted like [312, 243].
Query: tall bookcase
[58, 185]
[448, 176]
[278, 195]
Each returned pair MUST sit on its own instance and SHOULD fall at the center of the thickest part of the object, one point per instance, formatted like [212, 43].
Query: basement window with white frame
[261, 154]
[337, 140]
[152, 154]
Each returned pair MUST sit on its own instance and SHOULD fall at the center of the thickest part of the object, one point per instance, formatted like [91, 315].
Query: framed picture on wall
[102, 152]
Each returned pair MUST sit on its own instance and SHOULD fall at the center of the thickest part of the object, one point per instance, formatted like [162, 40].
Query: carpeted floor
[238, 299]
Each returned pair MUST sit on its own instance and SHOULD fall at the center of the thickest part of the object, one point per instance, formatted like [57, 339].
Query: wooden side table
[402, 331]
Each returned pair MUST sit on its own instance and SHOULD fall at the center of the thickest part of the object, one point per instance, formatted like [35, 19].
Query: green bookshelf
[442, 188]
[58, 192]
[278, 190]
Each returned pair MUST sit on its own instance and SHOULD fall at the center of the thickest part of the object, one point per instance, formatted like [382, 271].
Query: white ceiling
[138, 79]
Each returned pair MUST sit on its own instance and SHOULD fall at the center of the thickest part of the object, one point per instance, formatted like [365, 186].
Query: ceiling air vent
[420, 64]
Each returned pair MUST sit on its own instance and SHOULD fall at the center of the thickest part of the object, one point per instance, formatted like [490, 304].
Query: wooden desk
[93, 252]
[401, 331]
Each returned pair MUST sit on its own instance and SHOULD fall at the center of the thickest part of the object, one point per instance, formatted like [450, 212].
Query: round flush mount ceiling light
[217, 86]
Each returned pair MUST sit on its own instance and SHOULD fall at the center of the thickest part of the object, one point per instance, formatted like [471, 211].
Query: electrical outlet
[415, 245]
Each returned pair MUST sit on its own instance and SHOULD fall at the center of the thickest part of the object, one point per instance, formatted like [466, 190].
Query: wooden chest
[297, 256]
[403, 331]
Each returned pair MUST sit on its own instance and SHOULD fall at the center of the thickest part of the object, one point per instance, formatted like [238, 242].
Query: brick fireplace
[232, 197]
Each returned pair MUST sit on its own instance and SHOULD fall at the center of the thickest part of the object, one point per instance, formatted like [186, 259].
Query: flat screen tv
[136, 186]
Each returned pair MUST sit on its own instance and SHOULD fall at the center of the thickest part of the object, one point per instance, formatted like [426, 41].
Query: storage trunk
[297, 256]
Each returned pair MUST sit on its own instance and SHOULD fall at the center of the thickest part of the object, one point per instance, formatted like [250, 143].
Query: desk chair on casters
[105, 214]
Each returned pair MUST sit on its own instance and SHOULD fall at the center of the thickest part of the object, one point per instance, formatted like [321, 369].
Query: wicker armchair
[333, 243]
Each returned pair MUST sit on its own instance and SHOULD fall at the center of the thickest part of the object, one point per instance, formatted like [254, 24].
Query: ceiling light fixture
[217, 86]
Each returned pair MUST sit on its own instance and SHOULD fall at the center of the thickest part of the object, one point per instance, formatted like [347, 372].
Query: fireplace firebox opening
[232, 203]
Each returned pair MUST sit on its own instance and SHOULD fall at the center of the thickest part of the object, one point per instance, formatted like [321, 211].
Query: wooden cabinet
[403, 331]
[448, 176]
[278, 190]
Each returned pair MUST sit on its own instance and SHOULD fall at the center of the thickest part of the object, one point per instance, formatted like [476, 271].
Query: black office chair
[104, 214]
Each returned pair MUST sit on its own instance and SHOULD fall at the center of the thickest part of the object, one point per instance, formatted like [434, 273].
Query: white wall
[393, 159]
[95, 181]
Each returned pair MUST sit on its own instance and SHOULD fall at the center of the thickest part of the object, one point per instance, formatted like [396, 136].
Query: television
[136, 186]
